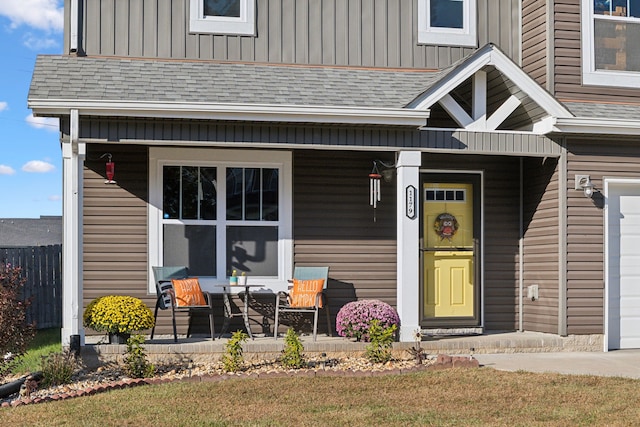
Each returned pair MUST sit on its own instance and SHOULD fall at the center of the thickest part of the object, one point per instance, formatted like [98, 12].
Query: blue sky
[30, 155]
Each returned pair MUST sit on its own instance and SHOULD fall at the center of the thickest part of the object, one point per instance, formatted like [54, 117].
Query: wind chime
[374, 188]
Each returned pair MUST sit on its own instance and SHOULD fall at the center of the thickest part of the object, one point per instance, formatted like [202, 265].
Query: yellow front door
[448, 251]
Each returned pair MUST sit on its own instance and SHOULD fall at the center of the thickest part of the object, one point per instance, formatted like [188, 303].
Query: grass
[46, 341]
[443, 398]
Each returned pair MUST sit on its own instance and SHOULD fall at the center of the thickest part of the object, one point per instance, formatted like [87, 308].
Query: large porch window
[216, 211]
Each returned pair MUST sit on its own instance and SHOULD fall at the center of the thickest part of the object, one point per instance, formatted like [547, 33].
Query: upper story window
[611, 42]
[222, 16]
[447, 22]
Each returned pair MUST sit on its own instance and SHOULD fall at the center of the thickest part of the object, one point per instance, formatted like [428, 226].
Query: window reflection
[226, 8]
[446, 13]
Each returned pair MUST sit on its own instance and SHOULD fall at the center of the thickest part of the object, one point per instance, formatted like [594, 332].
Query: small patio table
[228, 313]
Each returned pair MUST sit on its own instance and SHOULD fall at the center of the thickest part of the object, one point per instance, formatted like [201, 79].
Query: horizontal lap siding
[568, 63]
[534, 39]
[501, 198]
[380, 33]
[585, 276]
[541, 244]
[334, 225]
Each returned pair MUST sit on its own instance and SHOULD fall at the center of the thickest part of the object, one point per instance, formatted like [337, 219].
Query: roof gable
[487, 91]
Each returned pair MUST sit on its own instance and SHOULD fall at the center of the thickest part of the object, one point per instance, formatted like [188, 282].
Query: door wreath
[446, 226]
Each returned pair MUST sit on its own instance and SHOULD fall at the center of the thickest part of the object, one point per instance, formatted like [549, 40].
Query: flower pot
[118, 338]
[242, 280]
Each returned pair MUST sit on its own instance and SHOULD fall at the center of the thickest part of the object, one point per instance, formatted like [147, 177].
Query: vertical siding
[585, 275]
[334, 225]
[381, 33]
[541, 240]
[534, 39]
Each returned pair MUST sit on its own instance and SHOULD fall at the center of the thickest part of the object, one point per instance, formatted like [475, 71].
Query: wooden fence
[42, 267]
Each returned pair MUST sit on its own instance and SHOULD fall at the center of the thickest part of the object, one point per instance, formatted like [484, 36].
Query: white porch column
[73, 154]
[408, 174]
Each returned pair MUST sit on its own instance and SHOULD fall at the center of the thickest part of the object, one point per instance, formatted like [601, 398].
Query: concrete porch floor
[203, 349]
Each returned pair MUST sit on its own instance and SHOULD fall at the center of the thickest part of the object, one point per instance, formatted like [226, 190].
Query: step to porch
[199, 349]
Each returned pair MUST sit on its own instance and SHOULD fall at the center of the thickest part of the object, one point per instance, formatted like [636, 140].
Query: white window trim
[244, 25]
[161, 156]
[465, 36]
[591, 76]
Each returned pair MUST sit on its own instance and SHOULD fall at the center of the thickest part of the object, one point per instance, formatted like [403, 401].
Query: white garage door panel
[623, 264]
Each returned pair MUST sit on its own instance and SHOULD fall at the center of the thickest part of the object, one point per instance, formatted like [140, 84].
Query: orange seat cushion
[188, 292]
[304, 292]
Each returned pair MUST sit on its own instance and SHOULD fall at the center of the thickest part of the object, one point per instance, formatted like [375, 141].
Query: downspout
[521, 252]
[73, 30]
[562, 241]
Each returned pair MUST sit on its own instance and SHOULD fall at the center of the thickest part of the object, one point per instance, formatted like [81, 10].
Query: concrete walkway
[619, 363]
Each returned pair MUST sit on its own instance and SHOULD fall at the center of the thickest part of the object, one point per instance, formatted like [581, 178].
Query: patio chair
[306, 296]
[179, 293]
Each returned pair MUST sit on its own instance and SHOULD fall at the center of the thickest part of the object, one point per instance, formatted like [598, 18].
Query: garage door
[623, 269]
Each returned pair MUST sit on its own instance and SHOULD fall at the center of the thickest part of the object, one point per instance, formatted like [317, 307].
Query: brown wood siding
[380, 33]
[534, 39]
[541, 244]
[501, 213]
[334, 225]
[568, 62]
[598, 158]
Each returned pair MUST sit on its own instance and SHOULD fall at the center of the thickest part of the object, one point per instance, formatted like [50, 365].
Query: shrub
[117, 314]
[232, 359]
[136, 364]
[58, 368]
[15, 333]
[354, 318]
[379, 350]
[292, 356]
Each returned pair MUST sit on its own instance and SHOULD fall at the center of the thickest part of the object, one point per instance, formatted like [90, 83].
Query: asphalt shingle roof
[600, 110]
[21, 232]
[117, 79]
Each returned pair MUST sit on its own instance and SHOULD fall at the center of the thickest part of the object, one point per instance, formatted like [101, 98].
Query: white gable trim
[472, 67]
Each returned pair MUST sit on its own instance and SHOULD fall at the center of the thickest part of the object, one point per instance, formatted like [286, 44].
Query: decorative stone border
[441, 362]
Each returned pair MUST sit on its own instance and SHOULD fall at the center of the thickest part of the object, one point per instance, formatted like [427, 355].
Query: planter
[118, 338]
[242, 280]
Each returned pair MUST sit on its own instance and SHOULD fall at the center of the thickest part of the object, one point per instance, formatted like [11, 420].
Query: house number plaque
[410, 198]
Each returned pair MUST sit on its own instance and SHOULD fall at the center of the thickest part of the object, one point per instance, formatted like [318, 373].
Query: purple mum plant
[354, 318]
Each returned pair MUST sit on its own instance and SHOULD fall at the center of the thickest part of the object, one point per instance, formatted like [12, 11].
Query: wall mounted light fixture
[583, 182]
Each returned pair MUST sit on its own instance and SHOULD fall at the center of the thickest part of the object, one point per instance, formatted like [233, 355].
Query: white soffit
[238, 112]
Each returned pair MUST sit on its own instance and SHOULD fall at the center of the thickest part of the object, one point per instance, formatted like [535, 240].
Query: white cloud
[6, 170]
[47, 123]
[34, 42]
[38, 166]
[3, 106]
[54, 198]
[41, 14]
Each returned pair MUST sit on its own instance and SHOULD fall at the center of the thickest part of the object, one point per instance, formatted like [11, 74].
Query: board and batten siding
[534, 40]
[541, 244]
[372, 33]
[597, 158]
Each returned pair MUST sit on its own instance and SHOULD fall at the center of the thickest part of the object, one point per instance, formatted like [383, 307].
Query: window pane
[617, 45]
[227, 8]
[190, 245]
[270, 194]
[171, 192]
[189, 192]
[252, 194]
[447, 13]
[253, 250]
[234, 193]
[209, 192]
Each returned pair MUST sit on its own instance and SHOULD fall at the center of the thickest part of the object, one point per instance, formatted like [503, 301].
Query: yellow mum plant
[117, 314]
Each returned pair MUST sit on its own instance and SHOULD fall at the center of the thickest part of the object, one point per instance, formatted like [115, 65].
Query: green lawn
[46, 341]
[445, 398]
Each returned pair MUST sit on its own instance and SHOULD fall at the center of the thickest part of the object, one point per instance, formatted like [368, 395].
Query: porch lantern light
[587, 186]
[110, 169]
